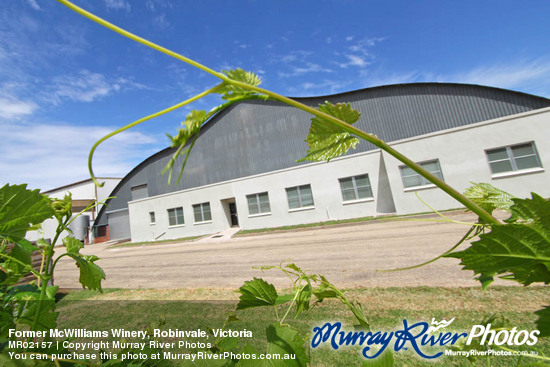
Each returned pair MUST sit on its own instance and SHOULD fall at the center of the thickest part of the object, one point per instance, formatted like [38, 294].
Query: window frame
[355, 188]
[512, 159]
[300, 198]
[257, 202]
[202, 212]
[424, 183]
[152, 218]
[175, 217]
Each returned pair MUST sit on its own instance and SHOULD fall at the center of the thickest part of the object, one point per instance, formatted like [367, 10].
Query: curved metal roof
[255, 137]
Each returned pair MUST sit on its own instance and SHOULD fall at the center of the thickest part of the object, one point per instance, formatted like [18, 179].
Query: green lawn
[385, 308]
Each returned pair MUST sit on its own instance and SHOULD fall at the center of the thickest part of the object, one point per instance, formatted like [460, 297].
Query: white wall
[323, 178]
[462, 157]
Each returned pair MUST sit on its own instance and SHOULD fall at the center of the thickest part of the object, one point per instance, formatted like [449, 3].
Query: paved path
[347, 255]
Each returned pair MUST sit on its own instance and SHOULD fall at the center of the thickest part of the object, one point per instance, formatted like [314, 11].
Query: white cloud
[325, 87]
[534, 74]
[354, 60]
[305, 69]
[527, 76]
[118, 5]
[86, 86]
[156, 5]
[13, 108]
[34, 4]
[51, 155]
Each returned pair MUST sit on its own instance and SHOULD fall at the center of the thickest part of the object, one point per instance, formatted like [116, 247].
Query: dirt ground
[348, 255]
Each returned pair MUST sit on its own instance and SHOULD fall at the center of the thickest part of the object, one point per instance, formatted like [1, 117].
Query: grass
[336, 222]
[161, 242]
[385, 308]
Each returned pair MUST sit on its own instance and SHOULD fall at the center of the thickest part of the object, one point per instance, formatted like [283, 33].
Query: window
[175, 216]
[152, 217]
[258, 203]
[413, 179]
[513, 158]
[299, 197]
[355, 188]
[202, 212]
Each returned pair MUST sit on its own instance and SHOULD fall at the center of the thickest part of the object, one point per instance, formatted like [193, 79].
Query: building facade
[243, 170]
[83, 193]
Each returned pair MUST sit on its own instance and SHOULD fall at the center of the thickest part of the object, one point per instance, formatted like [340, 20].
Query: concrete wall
[462, 157]
[323, 178]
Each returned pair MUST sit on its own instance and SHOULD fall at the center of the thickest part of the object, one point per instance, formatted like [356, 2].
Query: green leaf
[293, 266]
[285, 298]
[72, 245]
[47, 317]
[281, 340]
[257, 293]
[303, 299]
[190, 130]
[489, 197]
[286, 340]
[19, 262]
[20, 209]
[63, 208]
[325, 290]
[519, 250]
[229, 91]
[543, 322]
[326, 140]
[6, 323]
[90, 273]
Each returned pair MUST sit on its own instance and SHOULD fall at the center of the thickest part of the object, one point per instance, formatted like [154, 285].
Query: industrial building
[243, 170]
[83, 193]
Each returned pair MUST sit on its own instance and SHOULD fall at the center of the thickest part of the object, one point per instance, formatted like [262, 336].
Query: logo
[416, 336]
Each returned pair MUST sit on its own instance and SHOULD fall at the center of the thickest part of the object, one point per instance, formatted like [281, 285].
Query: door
[233, 214]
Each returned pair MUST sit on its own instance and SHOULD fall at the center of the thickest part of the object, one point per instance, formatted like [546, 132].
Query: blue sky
[66, 81]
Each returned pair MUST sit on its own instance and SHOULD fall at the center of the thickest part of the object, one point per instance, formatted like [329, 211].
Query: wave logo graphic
[439, 325]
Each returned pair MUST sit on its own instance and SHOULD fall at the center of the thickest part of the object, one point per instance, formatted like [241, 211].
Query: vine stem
[335, 121]
[143, 119]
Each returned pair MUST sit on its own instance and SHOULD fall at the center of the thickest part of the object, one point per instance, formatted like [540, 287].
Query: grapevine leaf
[47, 317]
[303, 299]
[489, 197]
[543, 322]
[256, 293]
[281, 300]
[281, 340]
[326, 140]
[535, 210]
[19, 262]
[293, 266]
[21, 208]
[230, 92]
[62, 208]
[286, 340]
[518, 250]
[325, 290]
[72, 245]
[6, 323]
[190, 130]
[359, 314]
[90, 273]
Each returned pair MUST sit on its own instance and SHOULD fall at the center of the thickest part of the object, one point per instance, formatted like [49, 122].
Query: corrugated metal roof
[255, 137]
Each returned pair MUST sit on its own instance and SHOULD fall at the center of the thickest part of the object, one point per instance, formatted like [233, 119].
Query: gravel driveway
[348, 255]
